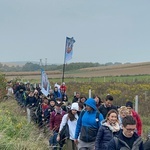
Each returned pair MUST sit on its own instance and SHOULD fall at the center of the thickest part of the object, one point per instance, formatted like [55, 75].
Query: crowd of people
[93, 124]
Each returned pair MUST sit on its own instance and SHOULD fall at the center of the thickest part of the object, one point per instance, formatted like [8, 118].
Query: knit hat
[75, 106]
[129, 104]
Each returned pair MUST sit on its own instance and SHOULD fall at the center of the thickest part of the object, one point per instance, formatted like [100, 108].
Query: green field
[134, 78]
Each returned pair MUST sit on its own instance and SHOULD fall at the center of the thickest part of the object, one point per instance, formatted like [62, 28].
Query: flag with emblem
[45, 85]
[69, 48]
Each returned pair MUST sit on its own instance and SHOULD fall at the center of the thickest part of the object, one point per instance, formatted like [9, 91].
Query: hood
[91, 102]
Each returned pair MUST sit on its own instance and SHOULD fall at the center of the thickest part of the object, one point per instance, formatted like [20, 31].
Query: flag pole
[64, 64]
[63, 72]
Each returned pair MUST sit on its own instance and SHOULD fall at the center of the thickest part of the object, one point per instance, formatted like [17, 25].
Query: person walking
[127, 139]
[107, 106]
[76, 98]
[55, 120]
[123, 112]
[109, 128]
[136, 116]
[87, 126]
[71, 119]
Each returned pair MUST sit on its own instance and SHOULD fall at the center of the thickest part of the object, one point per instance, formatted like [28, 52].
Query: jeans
[53, 141]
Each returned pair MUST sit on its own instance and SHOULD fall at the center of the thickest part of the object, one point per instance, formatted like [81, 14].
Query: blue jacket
[57, 94]
[88, 121]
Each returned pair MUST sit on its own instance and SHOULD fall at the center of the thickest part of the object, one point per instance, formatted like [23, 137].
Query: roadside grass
[15, 132]
[146, 125]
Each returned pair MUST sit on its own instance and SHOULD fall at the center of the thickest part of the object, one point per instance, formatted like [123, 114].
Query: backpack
[64, 133]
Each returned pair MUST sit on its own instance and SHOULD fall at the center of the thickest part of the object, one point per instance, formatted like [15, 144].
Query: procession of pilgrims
[92, 123]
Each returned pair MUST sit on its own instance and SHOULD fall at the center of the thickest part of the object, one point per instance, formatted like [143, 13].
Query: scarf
[113, 127]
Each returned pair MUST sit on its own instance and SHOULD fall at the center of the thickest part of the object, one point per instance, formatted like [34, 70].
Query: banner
[69, 48]
[45, 85]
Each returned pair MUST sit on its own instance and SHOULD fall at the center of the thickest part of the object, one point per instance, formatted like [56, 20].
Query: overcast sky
[104, 30]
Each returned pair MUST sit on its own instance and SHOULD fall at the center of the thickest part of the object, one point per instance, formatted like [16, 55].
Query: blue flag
[45, 85]
[69, 48]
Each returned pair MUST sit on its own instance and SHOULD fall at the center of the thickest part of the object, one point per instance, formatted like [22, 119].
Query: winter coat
[87, 128]
[57, 94]
[63, 88]
[55, 120]
[104, 135]
[147, 145]
[121, 145]
[104, 110]
[75, 99]
[31, 101]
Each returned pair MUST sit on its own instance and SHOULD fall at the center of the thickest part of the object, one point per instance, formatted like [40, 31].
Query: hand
[58, 137]
[76, 141]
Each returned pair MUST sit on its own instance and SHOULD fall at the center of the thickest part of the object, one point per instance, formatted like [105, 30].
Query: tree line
[29, 66]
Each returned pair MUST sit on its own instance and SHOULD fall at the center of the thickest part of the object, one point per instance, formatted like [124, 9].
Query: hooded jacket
[88, 127]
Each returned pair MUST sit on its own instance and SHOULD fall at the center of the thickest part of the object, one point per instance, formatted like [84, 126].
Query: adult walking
[127, 138]
[87, 126]
[71, 119]
[55, 120]
[136, 116]
[107, 106]
[109, 128]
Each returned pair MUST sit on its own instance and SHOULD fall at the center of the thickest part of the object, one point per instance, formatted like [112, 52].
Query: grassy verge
[146, 126]
[15, 132]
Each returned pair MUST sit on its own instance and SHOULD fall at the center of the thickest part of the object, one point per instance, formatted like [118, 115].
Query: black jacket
[104, 110]
[104, 136]
[147, 145]
[119, 143]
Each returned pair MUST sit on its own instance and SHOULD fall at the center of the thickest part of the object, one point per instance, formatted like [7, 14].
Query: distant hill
[18, 63]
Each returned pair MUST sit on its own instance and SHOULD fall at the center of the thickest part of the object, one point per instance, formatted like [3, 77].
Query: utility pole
[40, 62]
[45, 63]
